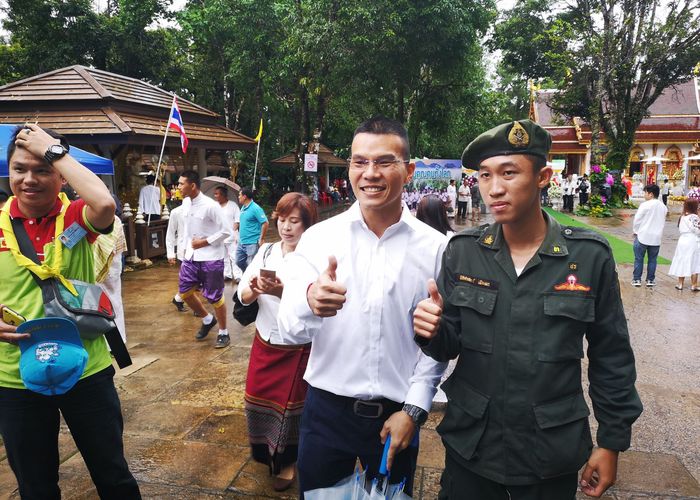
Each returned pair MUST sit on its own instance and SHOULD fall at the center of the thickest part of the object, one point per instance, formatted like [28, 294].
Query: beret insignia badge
[518, 136]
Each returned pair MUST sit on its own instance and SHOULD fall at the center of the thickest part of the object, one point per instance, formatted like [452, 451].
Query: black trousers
[664, 198]
[462, 209]
[583, 198]
[569, 202]
[332, 438]
[459, 483]
[29, 424]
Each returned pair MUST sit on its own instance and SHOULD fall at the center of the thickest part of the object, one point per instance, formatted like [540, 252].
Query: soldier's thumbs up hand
[426, 317]
[325, 295]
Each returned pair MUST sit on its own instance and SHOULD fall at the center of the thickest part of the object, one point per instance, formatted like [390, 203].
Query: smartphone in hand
[12, 317]
[268, 274]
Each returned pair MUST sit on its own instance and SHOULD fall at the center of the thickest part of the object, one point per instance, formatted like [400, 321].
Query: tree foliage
[313, 69]
[612, 59]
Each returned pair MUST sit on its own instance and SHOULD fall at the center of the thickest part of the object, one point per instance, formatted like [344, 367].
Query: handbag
[246, 314]
[90, 308]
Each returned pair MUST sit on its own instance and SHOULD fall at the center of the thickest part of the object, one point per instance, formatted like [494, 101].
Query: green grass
[622, 251]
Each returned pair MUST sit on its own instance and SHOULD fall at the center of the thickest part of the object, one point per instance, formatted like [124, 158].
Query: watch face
[56, 149]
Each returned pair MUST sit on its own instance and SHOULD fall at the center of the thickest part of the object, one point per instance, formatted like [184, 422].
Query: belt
[365, 408]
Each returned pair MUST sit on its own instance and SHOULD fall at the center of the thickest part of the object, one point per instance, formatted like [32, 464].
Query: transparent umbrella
[355, 487]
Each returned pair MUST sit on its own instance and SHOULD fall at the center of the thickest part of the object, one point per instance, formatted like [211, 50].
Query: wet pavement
[185, 430]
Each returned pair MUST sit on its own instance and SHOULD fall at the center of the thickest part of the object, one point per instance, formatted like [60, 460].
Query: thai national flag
[175, 122]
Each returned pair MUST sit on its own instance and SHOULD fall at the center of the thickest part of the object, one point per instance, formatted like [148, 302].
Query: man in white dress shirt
[353, 283]
[232, 216]
[149, 199]
[203, 267]
[174, 238]
[648, 227]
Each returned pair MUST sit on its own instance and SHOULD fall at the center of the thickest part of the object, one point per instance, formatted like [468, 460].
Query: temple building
[665, 143]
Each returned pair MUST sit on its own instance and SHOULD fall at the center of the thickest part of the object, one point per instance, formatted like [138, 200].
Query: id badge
[72, 235]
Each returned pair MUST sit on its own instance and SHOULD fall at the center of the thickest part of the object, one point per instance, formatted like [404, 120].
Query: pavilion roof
[94, 106]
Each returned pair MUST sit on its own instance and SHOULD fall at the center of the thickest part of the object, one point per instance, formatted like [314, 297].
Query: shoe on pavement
[636, 282]
[651, 283]
[222, 341]
[205, 329]
[180, 305]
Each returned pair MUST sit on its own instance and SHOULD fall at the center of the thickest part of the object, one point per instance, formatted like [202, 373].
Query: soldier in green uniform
[514, 301]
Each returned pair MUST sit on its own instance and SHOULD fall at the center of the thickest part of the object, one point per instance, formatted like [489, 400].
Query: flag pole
[257, 150]
[162, 149]
[256, 164]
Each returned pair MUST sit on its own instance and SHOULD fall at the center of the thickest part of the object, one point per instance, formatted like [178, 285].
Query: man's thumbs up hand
[325, 296]
[426, 317]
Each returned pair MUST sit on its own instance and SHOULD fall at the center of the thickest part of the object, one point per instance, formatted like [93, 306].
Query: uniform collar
[553, 245]
[16, 213]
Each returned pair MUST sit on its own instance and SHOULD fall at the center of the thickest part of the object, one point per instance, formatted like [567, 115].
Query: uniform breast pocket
[565, 320]
[476, 307]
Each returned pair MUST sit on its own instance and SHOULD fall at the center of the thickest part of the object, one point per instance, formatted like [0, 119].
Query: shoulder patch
[474, 232]
[581, 233]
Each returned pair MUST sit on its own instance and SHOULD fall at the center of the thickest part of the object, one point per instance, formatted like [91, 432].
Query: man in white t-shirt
[232, 216]
[648, 228]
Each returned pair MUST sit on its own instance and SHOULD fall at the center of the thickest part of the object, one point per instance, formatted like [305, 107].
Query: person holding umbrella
[352, 282]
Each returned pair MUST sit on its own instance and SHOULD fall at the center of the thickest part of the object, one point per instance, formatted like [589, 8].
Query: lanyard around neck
[46, 269]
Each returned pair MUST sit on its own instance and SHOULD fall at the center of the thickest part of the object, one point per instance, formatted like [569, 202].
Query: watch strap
[417, 414]
[51, 157]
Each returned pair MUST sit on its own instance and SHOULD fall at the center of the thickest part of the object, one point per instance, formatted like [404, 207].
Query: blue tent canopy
[97, 164]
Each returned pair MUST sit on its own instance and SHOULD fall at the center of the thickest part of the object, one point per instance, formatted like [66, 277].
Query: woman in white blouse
[275, 390]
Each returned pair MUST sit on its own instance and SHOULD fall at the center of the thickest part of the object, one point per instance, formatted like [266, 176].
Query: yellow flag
[257, 137]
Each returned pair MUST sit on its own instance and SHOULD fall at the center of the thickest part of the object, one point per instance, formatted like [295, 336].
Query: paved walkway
[185, 431]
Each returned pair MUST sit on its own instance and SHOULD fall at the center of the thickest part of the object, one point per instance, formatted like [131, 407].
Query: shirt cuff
[420, 395]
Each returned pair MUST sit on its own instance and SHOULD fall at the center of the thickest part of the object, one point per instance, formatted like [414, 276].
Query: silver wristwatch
[417, 414]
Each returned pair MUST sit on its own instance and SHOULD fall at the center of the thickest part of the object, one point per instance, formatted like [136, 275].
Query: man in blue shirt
[252, 228]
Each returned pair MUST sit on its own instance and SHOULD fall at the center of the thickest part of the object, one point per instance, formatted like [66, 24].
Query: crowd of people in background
[314, 412]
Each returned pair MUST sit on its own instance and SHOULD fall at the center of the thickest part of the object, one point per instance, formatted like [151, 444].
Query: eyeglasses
[382, 163]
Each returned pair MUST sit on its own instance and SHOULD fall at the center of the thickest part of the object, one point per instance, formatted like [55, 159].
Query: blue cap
[53, 358]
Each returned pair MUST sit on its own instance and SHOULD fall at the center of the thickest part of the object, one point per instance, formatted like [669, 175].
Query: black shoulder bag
[245, 315]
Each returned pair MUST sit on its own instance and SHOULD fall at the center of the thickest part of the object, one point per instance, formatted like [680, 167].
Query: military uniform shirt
[516, 412]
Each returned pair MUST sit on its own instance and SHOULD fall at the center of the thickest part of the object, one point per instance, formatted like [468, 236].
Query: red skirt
[274, 400]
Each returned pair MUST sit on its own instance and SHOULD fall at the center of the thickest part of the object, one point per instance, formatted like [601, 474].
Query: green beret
[523, 137]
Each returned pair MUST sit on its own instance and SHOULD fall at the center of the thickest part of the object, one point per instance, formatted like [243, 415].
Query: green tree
[49, 34]
[611, 58]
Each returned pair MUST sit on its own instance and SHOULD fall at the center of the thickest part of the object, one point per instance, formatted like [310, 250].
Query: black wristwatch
[55, 152]
[417, 414]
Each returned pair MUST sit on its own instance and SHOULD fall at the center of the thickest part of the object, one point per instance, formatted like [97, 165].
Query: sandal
[695, 288]
[679, 287]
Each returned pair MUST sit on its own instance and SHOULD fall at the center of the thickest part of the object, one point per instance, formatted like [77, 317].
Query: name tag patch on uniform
[72, 235]
[571, 284]
[473, 280]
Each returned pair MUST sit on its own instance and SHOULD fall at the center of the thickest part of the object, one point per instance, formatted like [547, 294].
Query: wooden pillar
[202, 162]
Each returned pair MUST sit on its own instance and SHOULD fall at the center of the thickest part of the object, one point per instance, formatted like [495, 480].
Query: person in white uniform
[232, 215]
[175, 244]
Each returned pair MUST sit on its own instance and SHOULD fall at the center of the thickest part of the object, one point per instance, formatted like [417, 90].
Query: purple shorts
[207, 275]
